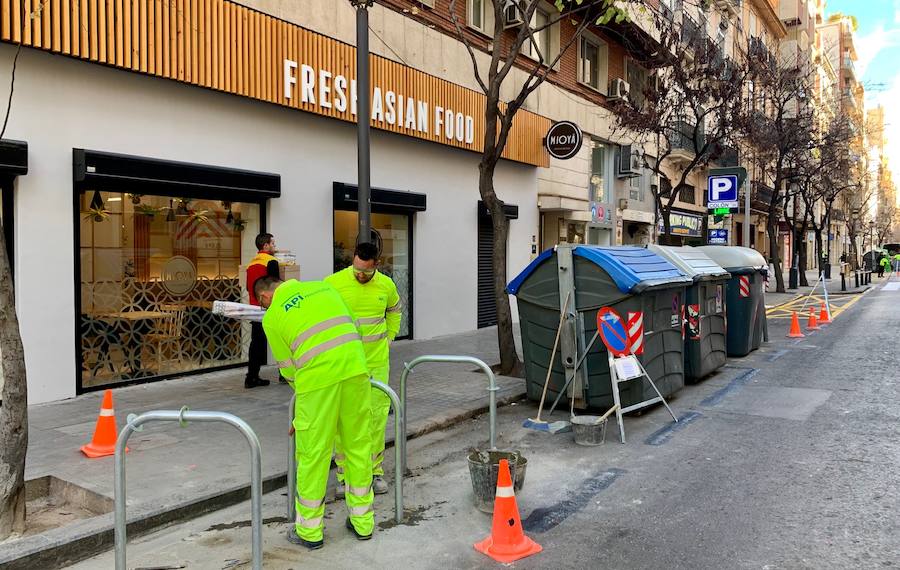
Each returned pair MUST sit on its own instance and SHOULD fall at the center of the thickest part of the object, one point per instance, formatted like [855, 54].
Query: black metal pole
[362, 119]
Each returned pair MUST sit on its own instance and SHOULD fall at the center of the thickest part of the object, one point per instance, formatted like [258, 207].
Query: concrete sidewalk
[174, 472]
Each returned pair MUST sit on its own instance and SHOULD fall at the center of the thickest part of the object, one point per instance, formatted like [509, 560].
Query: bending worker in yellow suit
[373, 299]
[318, 348]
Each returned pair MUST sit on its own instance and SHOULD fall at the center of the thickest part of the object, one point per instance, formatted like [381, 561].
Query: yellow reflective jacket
[313, 335]
[377, 308]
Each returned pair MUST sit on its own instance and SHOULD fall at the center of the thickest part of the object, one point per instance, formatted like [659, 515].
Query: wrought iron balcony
[761, 196]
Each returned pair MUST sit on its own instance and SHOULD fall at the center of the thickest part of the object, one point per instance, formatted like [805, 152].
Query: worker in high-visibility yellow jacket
[314, 338]
[372, 297]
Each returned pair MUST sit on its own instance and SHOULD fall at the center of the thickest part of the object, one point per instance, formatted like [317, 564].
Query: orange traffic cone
[507, 542]
[823, 315]
[812, 324]
[105, 434]
[795, 327]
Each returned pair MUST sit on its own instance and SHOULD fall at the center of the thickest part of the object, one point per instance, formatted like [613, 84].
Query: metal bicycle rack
[399, 424]
[183, 416]
[441, 358]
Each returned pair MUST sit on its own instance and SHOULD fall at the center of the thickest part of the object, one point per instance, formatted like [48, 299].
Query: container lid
[633, 269]
[736, 259]
[691, 261]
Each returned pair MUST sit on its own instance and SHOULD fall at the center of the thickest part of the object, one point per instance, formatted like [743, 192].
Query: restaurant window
[592, 63]
[150, 269]
[392, 233]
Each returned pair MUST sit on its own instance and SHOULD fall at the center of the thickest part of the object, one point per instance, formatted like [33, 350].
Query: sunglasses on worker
[366, 272]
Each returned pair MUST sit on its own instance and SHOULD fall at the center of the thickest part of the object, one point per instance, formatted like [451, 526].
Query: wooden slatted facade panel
[227, 47]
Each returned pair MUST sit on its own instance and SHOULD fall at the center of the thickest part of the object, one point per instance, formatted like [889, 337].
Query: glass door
[392, 233]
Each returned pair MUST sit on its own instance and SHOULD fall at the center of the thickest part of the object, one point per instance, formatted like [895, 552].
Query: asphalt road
[789, 458]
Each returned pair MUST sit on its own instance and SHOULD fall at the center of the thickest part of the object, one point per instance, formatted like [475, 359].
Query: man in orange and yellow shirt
[264, 264]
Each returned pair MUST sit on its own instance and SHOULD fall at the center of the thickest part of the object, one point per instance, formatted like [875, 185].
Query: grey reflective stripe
[360, 511]
[370, 320]
[374, 337]
[309, 523]
[285, 364]
[396, 308]
[319, 327]
[325, 346]
[359, 491]
[310, 504]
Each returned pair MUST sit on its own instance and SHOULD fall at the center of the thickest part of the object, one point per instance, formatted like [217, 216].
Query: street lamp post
[362, 119]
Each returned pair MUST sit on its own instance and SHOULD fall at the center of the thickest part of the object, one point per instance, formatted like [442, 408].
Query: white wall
[61, 104]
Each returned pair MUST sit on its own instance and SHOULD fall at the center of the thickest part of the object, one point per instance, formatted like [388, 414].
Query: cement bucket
[484, 467]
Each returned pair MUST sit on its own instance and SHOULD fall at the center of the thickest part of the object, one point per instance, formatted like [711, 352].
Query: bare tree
[505, 54]
[688, 114]
[779, 125]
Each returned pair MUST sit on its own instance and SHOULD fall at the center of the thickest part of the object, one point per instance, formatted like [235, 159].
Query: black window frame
[109, 172]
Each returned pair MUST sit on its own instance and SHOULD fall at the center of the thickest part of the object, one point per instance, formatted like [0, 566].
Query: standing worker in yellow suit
[372, 297]
[315, 340]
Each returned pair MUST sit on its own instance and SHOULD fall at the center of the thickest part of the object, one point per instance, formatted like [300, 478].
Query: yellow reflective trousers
[339, 410]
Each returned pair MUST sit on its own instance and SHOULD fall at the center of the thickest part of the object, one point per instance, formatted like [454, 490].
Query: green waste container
[704, 339]
[640, 286]
[745, 301]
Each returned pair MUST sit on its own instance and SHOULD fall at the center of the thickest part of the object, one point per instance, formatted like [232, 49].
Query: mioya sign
[563, 140]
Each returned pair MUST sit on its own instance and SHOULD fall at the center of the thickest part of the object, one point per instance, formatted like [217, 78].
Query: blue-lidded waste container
[704, 339]
[644, 289]
[745, 300]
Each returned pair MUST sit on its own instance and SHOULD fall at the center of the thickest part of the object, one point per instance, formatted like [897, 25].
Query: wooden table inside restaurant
[133, 315]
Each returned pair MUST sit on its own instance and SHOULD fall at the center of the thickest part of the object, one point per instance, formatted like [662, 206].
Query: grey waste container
[704, 339]
[745, 297]
[636, 283]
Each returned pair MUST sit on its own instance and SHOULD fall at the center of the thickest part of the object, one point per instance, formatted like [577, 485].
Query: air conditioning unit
[618, 90]
[512, 15]
[629, 163]
[623, 204]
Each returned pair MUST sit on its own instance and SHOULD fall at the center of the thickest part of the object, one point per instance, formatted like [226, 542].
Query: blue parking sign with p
[722, 191]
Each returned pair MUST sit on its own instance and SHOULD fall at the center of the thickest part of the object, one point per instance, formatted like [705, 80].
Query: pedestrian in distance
[372, 297]
[263, 264]
[315, 340]
[884, 264]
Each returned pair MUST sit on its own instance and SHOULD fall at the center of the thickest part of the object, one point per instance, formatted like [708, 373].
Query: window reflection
[151, 266]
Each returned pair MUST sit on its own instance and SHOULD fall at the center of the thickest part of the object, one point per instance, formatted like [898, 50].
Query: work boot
[379, 485]
[254, 382]
[352, 529]
[293, 538]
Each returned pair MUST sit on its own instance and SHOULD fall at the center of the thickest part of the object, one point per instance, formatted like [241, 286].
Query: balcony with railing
[760, 196]
[691, 32]
[723, 155]
[681, 141]
[731, 6]
[848, 64]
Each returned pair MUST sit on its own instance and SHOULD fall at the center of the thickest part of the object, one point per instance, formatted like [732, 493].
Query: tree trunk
[510, 365]
[772, 230]
[803, 250]
[820, 254]
[13, 409]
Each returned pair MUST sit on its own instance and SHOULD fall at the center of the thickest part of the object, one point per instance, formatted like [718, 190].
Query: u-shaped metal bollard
[399, 425]
[445, 358]
[183, 416]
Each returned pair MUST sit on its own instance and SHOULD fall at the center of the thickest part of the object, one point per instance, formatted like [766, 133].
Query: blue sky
[878, 47]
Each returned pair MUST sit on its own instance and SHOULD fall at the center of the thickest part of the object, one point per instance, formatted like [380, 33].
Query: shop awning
[13, 158]
[110, 172]
[346, 197]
